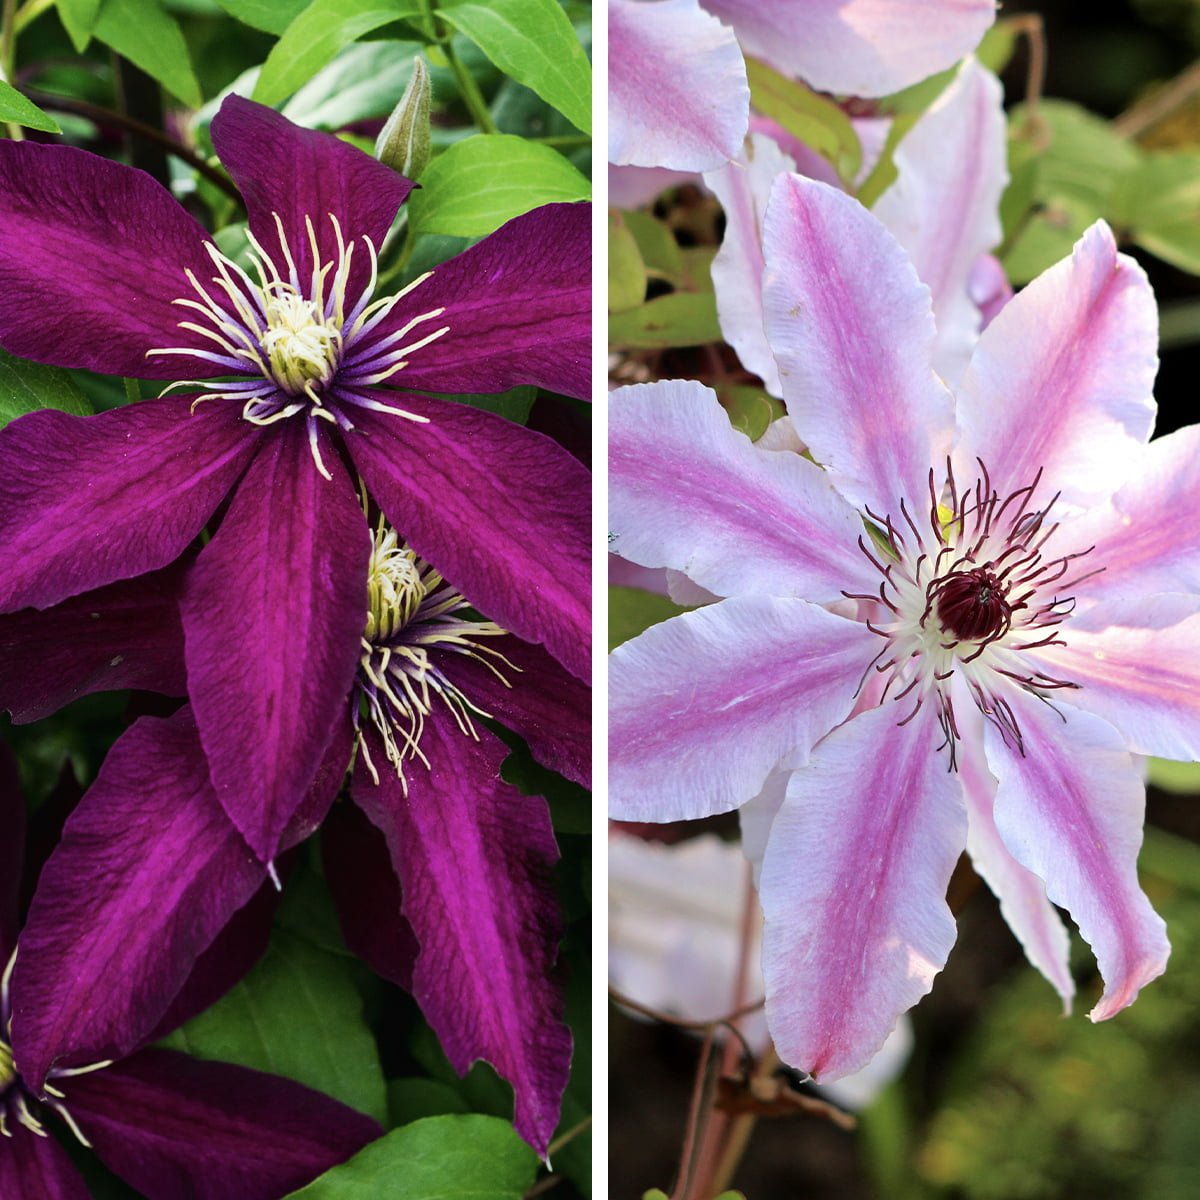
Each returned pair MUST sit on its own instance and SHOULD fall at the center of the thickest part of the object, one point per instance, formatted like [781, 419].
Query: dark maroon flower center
[973, 605]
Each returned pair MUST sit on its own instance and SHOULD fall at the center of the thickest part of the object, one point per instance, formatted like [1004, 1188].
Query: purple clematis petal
[12, 850]
[549, 708]
[518, 307]
[469, 480]
[1062, 380]
[853, 890]
[475, 857]
[703, 707]
[1022, 895]
[134, 486]
[853, 346]
[126, 635]
[858, 47]
[172, 1126]
[149, 870]
[273, 615]
[37, 1168]
[306, 176]
[363, 883]
[1069, 807]
[92, 256]
[690, 492]
[678, 95]
[953, 162]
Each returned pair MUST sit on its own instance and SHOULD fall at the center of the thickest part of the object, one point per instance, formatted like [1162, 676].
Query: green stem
[564, 140]
[133, 391]
[29, 12]
[468, 89]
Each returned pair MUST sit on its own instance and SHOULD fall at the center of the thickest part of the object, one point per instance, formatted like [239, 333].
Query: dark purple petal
[126, 635]
[45, 829]
[12, 851]
[502, 512]
[85, 501]
[273, 615]
[550, 709]
[92, 254]
[37, 1168]
[474, 858]
[174, 1127]
[299, 173]
[518, 305]
[358, 870]
[147, 874]
[233, 954]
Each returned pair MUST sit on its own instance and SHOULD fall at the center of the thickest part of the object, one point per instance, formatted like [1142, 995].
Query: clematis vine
[679, 98]
[166, 1123]
[957, 632]
[295, 379]
[441, 871]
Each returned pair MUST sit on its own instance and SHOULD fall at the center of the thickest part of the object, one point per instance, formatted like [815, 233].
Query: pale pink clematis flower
[956, 634]
[952, 164]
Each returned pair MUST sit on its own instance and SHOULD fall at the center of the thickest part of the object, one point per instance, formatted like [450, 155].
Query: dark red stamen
[973, 605]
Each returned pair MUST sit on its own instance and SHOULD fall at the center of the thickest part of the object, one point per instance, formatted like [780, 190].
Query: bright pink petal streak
[148, 872]
[475, 859]
[853, 333]
[302, 174]
[678, 96]
[705, 706]
[517, 307]
[1147, 539]
[1062, 379]
[743, 188]
[952, 162]
[85, 501]
[500, 510]
[38, 1168]
[92, 256]
[1022, 895]
[1137, 666]
[1070, 809]
[689, 492]
[853, 889]
[273, 616]
[858, 47]
[174, 1127]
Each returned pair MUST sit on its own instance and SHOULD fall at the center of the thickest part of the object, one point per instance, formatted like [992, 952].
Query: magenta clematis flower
[293, 374]
[167, 1124]
[953, 161]
[958, 633]
[677, 80]
[443, 887]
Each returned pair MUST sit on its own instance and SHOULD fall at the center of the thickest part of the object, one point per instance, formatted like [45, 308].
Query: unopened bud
[404, 142]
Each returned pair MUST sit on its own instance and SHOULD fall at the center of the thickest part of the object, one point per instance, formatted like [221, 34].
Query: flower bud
[404, 143]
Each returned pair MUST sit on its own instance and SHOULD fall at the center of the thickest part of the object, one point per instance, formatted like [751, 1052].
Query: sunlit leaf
[146, 34]
[681, 319]
[17, 110]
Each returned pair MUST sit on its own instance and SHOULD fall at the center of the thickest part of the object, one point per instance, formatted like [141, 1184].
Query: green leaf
[467, 1157]
[411, 1099]
[27, 386]
[626, 271]
[364, 80]
[656, 244]
[271, 16]
[632, 611]
[297, 1014]
[513, 405]
[815, 120]
[532, 42]
[1180, 778]
[479, 183]
[655, 1194]
[750, 409]
[314, 38]
[79, 20]
[15, 109]
[681, 319]
[885, 172]
[146, 34]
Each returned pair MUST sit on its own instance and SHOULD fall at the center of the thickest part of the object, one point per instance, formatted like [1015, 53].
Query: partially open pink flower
[956, 634]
